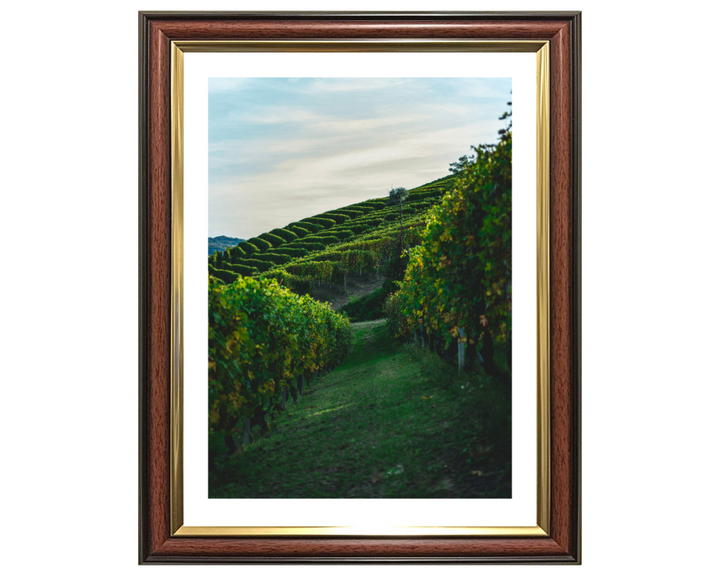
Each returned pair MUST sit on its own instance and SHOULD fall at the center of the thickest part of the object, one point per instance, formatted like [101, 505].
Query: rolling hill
[424, 368]
[337, 256]
[219, 243]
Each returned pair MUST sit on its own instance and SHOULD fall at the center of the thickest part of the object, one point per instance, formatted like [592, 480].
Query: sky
[283, 149]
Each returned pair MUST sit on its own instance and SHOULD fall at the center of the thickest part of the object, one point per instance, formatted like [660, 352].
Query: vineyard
[440, 255]
[324, 249]
[264, 341]
[390, 422]
[457, 286]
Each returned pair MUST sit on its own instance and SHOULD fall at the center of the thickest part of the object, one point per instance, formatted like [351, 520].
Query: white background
[69, 292]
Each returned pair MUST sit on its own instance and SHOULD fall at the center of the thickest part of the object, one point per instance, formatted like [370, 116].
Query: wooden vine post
[461, 349]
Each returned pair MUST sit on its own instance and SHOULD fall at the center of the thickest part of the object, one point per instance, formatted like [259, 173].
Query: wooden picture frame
[162, 38]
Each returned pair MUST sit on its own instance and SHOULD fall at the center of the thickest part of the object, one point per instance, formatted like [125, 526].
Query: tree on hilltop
[462, 163]
[398, 196]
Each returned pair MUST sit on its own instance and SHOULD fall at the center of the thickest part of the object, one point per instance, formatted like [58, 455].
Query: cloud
[216, 85]
[284, 149]
[355, 85]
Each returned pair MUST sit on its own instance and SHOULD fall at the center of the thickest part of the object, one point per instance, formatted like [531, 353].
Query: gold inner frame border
[542, 51]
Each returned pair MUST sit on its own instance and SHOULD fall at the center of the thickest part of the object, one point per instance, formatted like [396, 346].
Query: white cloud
[300, 150]
[354, 84]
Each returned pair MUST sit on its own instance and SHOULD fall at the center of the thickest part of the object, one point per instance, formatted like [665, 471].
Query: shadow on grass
[393, 421]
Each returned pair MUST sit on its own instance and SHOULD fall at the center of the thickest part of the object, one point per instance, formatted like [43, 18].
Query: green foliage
[324, 256]
[309, 245]
[368, 234]
[336, 232]
[225, 276]
[322, 240]
[397, 196]
[235, 253]
[273, 257]
[300, 232]
[291, 251]
[320, 221]
[393, 313]
[261, 339]
[369, 307]
[240, 269]
[363, 207]
[427, 194]
[261, 244]
[368, 222]
[463, 163]
[336, 216]
[285, 234]
[308, 227]
[272, 239]
[261, 265]
[350, 212]
[344, 234]
[359, 229]
[248, 248]
[373, 204]
[384, 407]
[460, 276]
[295, 283]
[332, 265]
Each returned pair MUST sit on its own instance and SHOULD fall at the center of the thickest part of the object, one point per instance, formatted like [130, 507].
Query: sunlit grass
[330, 410]
[391, 422]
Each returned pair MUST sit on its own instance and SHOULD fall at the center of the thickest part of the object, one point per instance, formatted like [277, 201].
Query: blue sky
[283, 149]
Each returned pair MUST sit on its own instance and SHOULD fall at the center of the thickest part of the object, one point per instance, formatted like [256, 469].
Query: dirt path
[361, 325]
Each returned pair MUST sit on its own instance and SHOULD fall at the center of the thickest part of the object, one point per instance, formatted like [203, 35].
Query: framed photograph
[378, 358]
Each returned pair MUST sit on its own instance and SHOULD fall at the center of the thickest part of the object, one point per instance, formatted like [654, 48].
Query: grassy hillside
[390, 422]
[421, 407]
[337, 256]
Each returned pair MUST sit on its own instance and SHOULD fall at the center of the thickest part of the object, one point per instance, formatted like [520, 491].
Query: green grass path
[391, 421]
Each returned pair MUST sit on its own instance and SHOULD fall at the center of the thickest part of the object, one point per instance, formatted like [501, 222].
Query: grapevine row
[457, 284]
[264, 342]
[330, 230]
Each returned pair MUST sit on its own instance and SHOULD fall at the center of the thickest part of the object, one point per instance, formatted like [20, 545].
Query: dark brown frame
[157, 30]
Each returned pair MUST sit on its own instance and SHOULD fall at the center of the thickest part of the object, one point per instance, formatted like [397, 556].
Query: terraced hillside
[324, 250]
[417, 404]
